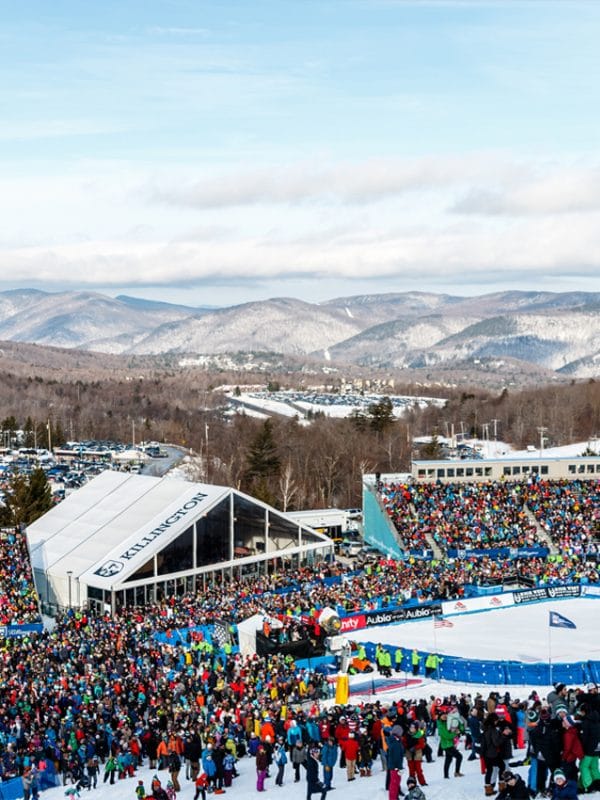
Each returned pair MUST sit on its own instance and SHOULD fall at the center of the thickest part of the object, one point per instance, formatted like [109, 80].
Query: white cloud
[561, 191]
[363, 182]
[541, 248]
[394, 222]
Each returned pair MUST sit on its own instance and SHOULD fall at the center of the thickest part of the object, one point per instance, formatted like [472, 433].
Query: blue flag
[558, 621]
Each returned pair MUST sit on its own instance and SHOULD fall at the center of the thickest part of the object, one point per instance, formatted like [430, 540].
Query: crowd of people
[18, 598]
[569, 511]
[494, 514]
[98, 697]
[294, 592]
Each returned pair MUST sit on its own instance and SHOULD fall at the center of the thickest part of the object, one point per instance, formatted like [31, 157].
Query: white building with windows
[127, 539]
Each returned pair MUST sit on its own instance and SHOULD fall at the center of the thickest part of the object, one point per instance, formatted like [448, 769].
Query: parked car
[351, 548]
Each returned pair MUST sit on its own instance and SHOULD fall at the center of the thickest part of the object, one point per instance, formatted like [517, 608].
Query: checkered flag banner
[220, 634]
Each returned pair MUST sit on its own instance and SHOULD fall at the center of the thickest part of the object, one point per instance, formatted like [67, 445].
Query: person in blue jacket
[562, 789]
[329, 754]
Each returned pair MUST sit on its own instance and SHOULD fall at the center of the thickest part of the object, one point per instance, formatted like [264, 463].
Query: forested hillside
[289, 464]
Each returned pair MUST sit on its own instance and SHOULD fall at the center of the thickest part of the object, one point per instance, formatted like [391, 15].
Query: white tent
[247, 633]
[127, 539]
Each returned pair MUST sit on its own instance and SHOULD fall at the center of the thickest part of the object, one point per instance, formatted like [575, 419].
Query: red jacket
[572, 747]
[351, 749]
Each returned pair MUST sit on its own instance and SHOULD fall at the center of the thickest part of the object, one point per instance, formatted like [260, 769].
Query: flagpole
[550, 648]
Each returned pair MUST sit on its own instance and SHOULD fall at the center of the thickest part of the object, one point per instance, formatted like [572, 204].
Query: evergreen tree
[29, 433]
[381, 414]
[262, 464]
[39, 495]
[26, 499]
[433, 449]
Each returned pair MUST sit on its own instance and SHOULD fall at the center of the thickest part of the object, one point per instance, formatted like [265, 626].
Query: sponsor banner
[349, 624]
[546, 593]
[484, 603]
[402, 614]
[10, 631]
[499, 552]
[591, 590]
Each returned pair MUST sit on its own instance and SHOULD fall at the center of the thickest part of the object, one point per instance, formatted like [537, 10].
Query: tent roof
[115, 523]
[104, 532]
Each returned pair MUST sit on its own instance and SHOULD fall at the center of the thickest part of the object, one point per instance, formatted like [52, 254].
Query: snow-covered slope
[413, 329]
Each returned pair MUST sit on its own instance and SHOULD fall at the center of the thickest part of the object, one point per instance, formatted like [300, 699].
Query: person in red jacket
[341, 734]
[267, 729]
[572, 748]
[351, 749]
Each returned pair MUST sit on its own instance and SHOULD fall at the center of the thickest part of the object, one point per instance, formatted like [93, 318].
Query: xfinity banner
[546, 593]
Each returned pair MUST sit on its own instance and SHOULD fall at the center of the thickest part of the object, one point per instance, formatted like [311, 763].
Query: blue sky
[207, 152]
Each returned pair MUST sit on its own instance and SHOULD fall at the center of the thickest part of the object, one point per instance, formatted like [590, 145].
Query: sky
[216, 153]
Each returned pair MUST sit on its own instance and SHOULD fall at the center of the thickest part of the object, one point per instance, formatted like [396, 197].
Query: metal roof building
[127, 539]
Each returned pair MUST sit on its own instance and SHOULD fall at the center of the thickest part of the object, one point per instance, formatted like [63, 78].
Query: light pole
[542, 430]
[69, 576]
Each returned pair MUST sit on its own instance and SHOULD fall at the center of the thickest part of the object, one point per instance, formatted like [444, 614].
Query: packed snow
[517, 633]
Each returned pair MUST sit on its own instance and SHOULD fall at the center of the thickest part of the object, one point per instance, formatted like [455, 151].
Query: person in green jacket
[432, 663]
[447, 745]
[398, 656]
[386, 663]
[415, 660]
[109, 770]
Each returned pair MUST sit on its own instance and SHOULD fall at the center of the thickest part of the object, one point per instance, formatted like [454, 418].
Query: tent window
[178, 555]
[212, 535]
[144, 572]
[282, 533]
[249, 530]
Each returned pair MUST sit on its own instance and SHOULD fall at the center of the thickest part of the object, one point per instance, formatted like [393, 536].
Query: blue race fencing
[498, 673]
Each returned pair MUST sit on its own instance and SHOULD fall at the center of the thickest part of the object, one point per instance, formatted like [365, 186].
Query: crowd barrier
[12, 789]
[498, 673]
[11, 631]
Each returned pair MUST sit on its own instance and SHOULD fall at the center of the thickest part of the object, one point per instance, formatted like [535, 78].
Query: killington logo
[109, 569]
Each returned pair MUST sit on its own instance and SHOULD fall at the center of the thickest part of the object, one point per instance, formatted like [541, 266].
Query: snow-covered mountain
[560, 332]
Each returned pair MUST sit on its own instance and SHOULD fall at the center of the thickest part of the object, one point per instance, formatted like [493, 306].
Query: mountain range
[559, 332]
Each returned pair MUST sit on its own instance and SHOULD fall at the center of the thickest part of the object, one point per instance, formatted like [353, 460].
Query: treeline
[284, 461]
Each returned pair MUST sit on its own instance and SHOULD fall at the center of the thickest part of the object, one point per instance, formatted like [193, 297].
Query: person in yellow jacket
[415, 661]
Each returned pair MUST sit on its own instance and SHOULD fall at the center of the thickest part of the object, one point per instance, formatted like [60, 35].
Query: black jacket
[590, 732]
[519, 791]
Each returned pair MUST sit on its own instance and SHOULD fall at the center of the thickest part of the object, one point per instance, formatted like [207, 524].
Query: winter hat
[591, 687]
[397, 731]
[559, 687]
[532, 716]
[561, 709]
[508, 775]
[559, 775]
[411, 782]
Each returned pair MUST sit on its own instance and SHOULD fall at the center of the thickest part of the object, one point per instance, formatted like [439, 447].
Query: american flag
[438, 622]
[220, 635]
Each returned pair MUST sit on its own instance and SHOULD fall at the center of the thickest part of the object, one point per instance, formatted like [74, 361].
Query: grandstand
[497, 518]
